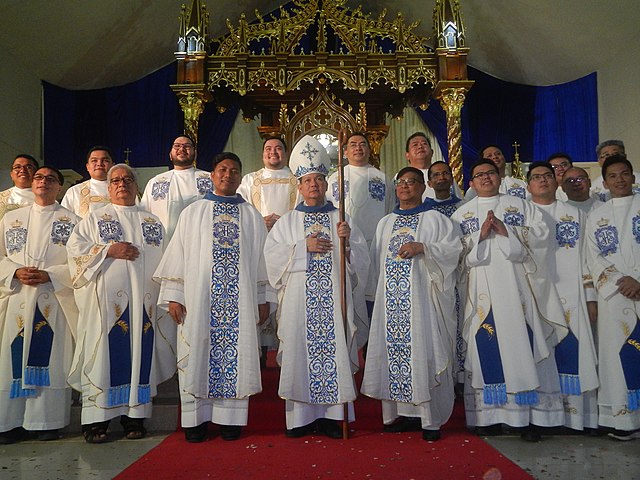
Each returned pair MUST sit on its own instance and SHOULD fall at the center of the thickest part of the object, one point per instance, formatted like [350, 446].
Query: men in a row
[414, 255]
[613, 250]
[575, 355]
[273, 190]
[213, 277]
[39, 314]
[84, 198]
[167, 194]
[123, 348]
[419, 153]
[513, 318]
[318, 351]
[508, 185]
[20, 194]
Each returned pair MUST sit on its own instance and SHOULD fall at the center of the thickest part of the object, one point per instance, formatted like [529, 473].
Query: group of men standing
[209, 270]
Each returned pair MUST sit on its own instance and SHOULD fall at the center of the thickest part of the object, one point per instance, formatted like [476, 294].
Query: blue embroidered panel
[635, 228]
[159, 190]
[607, 239]
[446, 210]
[517, 191]
[204, 185]
[567, 233]
[513, 217]
[110, 231]
[151, 232]
[225, 313]
[319, 308]
[61, 230]
[470, 225]
[15, 238]
[335, 191]
[377, 189]
[397, 298]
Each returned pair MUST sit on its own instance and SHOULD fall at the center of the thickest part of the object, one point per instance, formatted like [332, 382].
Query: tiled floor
[558, 458]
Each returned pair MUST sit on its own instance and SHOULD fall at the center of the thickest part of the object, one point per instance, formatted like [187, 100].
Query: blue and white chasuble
[317, 357]
[214, 266]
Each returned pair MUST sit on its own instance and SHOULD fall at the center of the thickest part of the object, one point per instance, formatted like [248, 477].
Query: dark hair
[411, 170]
[481, 151]
[226, 156]
[57, 172]
[414, 135]
[612, 160]
[559, 155]
[357, 134]
[483, 161]
[100, 147]
[533, 165]
[439, 162]
[184, 135]
[275, 137]
[28, 157]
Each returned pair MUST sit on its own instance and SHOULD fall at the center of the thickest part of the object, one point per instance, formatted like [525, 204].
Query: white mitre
[309, 156]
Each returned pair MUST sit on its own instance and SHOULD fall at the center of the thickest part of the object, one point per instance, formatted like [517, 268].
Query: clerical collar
[326, 207]
[411, 211]
[219, 198]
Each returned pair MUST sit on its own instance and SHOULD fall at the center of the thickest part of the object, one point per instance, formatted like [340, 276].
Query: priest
[318, 351]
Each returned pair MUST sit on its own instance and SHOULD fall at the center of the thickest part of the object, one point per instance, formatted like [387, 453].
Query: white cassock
[270, 191]
[508, 186]
[513, 317]
[167, 194]
[412, 339]
[124, 345]
[601, 192]
[317, 357]
[13, 198]
[214, 266]
[587, 206]
[86, 197]
[613, 251]
[575, 354]
[37, 323]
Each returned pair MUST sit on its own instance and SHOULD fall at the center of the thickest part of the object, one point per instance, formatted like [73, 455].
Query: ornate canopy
[318, 66]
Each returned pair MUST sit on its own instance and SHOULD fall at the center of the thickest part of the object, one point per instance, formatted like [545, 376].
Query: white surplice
[413, 327]
[117, 301]
[214, 266]
[167, 194]
[43, 318]
[86, 197]
[568, 271]
[507, 297]
[613, 251]
[317, 353]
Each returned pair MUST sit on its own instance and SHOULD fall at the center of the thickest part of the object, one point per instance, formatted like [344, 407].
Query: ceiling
[84, 44]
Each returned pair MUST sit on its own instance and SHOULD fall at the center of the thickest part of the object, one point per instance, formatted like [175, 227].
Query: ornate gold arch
[316, 64]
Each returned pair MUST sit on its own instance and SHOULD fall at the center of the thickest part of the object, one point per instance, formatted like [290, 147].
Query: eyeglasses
[28, 166]
[47, 178]
[182, 146]
[406, 181]
[560, 165]
[125, 180]
[575, 180]
[537, 177]
[487, 174]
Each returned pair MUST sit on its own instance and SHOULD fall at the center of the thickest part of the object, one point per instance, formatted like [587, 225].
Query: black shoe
[431, 435]
[13, 436]
[404, 424]
[230, 432]
[329, 428]
[592, 432]
[530, 434]
[299, 432]
[196, 434]
[489, 430]
[48, 435]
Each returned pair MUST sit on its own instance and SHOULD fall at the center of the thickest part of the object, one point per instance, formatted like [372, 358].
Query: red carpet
[263, 451]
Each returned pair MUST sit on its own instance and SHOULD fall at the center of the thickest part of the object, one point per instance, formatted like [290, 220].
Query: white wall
[20, 104]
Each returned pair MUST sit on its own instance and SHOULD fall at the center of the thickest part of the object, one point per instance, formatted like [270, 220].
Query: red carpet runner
[263, 451]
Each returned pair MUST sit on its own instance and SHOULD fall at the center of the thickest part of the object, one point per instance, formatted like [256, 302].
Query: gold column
[451, 95]
[192, 105]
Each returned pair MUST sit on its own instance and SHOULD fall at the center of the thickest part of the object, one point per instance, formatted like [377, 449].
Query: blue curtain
[543, 120]
[142, 116]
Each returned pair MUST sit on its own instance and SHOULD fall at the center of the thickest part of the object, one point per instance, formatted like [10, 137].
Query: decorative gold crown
[567, 218]
[603, 222]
